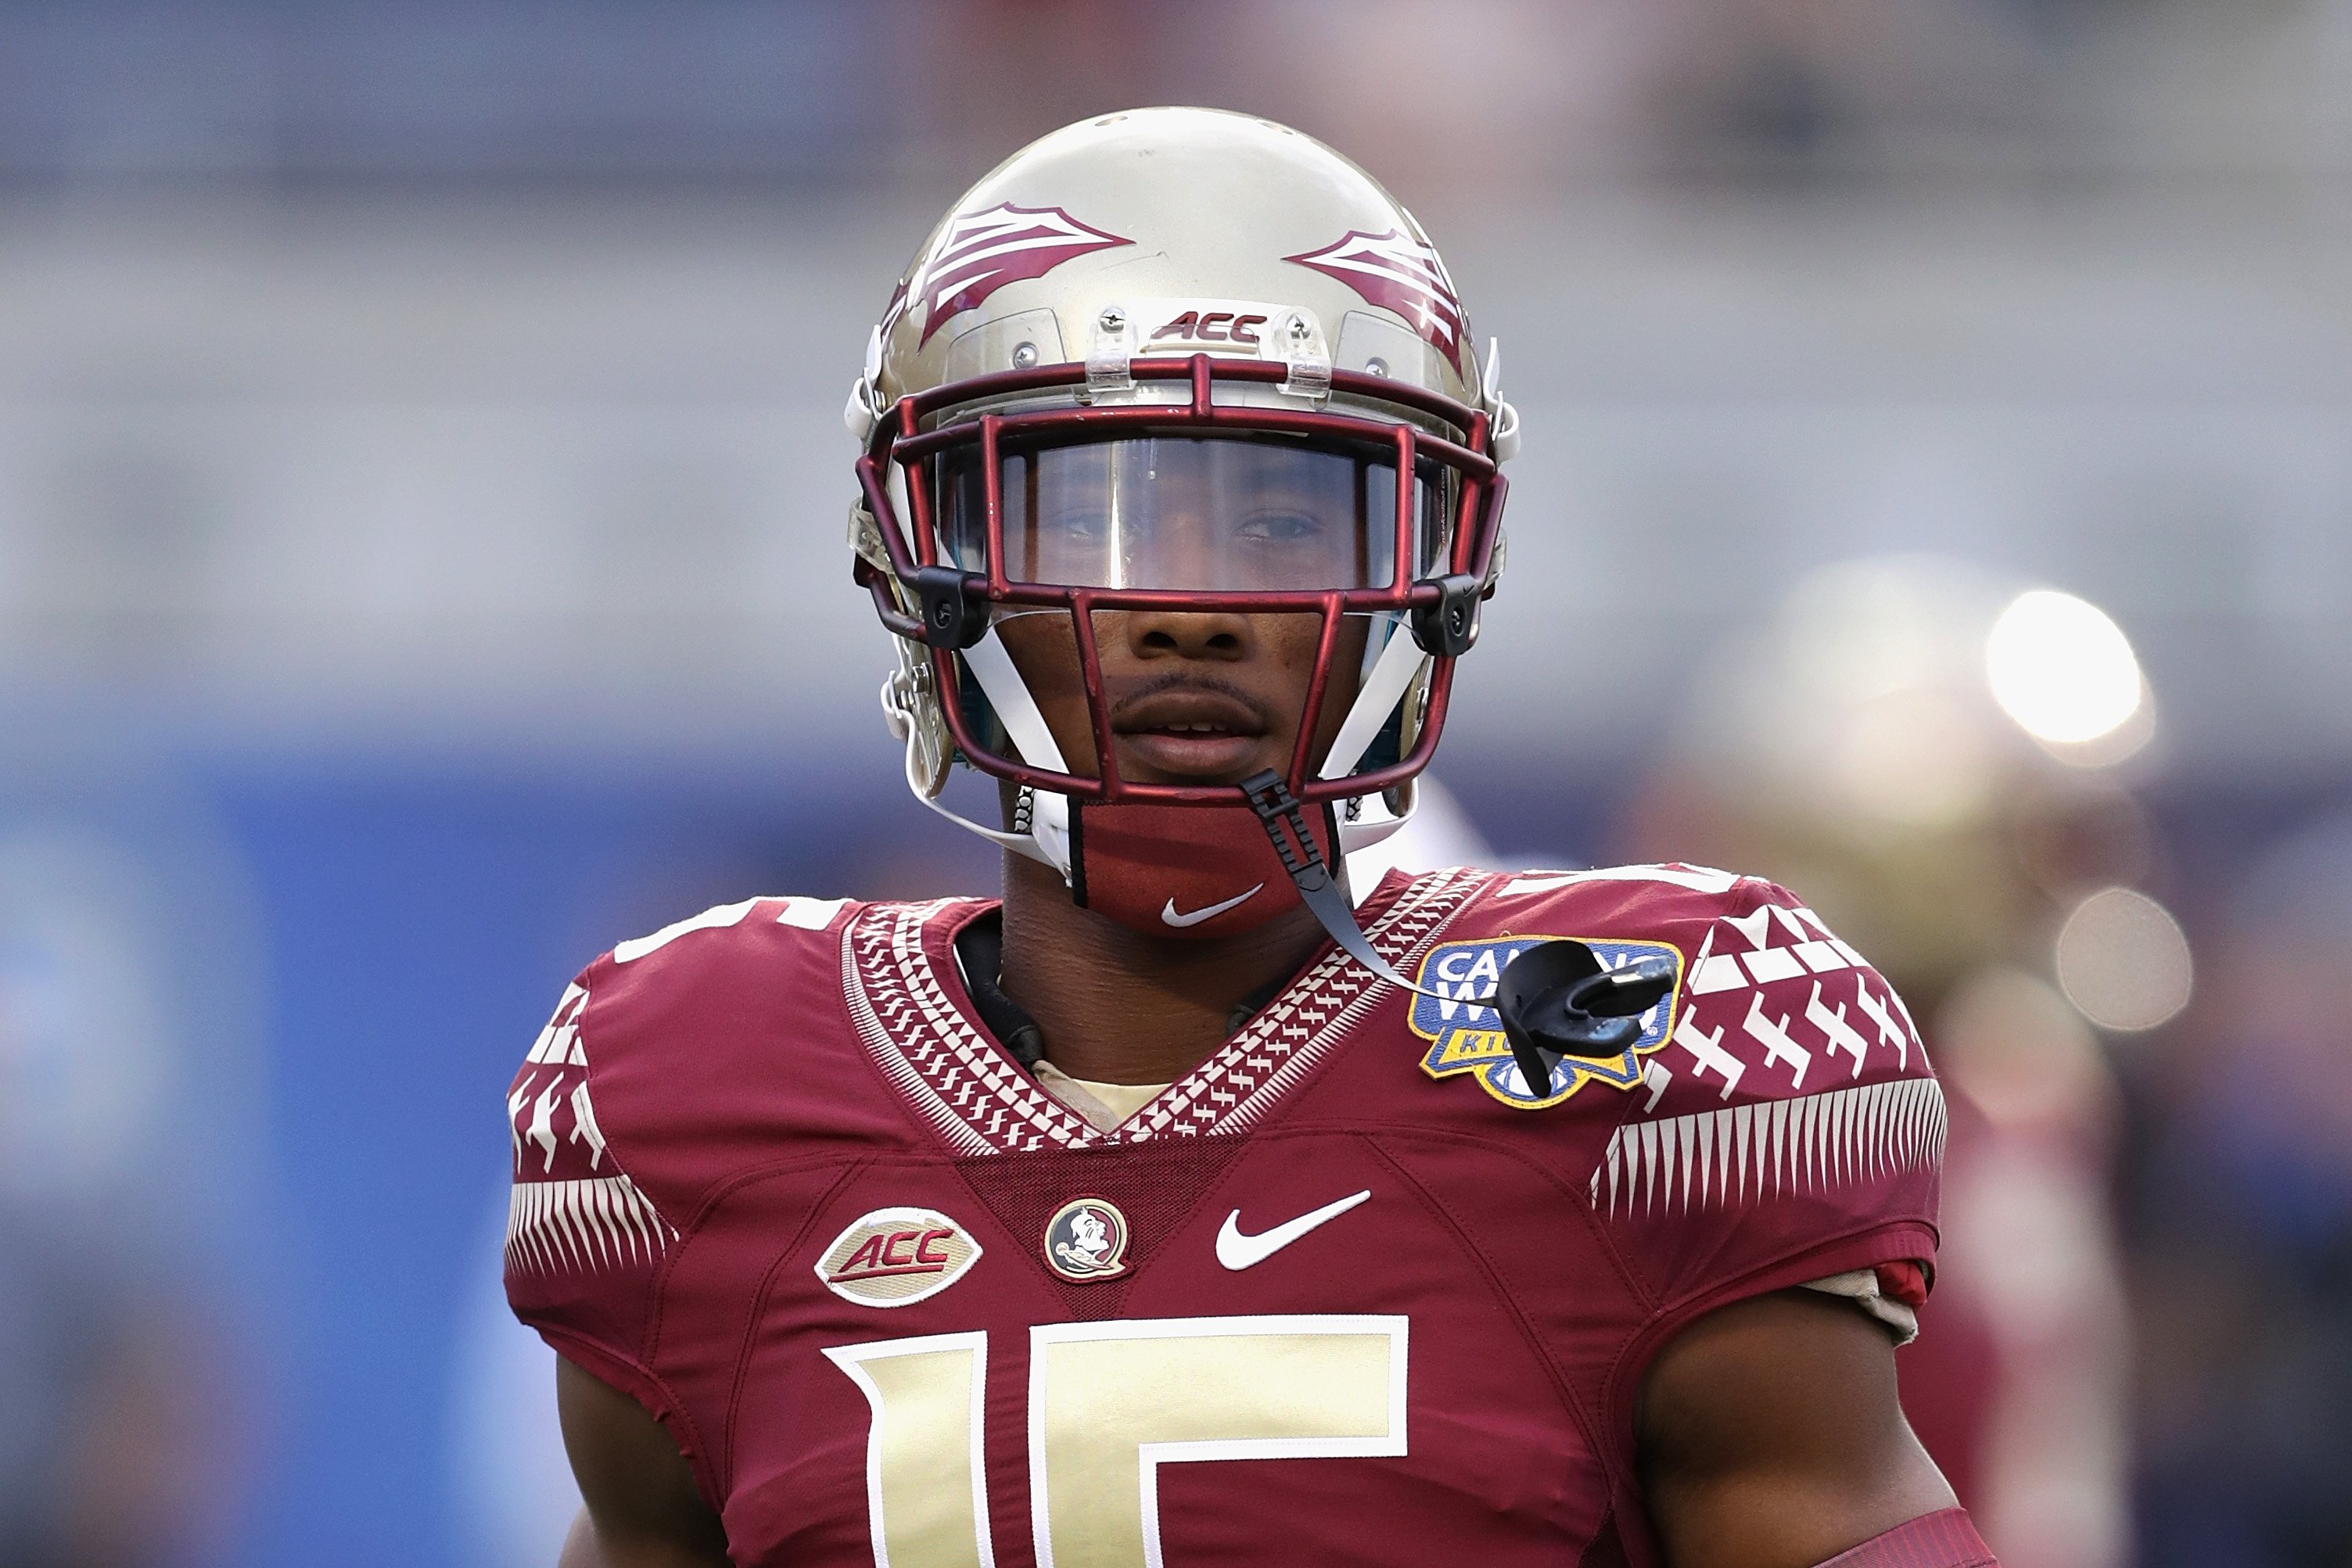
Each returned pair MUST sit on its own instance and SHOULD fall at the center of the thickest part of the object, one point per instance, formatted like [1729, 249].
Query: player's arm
[643, 1511]
[1769, 1435]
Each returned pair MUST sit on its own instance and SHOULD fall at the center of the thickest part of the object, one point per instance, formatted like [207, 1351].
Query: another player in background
[1187, 1204]
[1847, 741]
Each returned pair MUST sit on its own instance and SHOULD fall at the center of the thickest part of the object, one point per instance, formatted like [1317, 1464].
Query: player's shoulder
[719, 993]
[612, 1113]
[1780, 1120]
[1769, 1002]
[736, 1012]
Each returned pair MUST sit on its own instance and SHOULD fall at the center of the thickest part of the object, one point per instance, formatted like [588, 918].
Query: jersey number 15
[1108, 1404]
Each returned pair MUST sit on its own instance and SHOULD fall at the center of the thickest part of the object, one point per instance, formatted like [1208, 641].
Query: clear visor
[1211, 514]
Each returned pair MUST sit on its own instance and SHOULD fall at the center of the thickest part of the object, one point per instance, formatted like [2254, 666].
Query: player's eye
[1280, 528]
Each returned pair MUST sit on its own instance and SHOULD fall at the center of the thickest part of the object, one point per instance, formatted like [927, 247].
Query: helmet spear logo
[982, 252]
[1399, 273]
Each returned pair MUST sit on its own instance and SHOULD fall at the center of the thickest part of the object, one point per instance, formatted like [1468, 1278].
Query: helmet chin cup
[1181, 871]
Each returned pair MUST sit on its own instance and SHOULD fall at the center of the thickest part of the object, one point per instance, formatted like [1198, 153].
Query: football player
[1187, 1204]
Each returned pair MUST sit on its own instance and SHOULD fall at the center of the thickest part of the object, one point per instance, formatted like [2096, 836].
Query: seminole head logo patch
[1466, 1038]
[1087, 1240]
[896, 1256]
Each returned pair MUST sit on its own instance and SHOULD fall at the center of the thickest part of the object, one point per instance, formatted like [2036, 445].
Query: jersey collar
[909, 1007]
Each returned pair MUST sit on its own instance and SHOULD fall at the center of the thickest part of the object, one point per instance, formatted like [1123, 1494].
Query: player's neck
[1117, 1006]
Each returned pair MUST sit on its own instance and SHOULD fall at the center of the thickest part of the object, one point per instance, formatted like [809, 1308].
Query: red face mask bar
[955, 606]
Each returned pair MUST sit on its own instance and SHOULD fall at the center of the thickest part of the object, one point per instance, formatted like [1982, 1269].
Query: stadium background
[421, 565]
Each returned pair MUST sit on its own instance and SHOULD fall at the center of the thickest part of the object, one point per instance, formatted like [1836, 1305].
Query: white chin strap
[1387, 678]
[1384, 685]
[1047, 841]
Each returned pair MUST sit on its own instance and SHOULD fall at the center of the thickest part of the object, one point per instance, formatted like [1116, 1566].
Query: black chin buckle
[1284, 818]
[955, 612]
[1556, 1000]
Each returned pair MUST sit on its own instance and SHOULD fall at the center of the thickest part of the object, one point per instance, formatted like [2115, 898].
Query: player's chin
[1165, 757]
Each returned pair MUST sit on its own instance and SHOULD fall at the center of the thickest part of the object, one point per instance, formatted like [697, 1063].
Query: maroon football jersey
[1353, 1290]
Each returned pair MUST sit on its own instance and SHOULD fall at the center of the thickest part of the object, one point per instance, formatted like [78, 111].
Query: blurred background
[422, 488]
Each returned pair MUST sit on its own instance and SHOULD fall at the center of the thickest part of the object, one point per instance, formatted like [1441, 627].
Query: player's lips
[1193, 732]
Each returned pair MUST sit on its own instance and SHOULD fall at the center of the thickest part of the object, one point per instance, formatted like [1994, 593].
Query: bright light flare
[2124, 962]
[2061, 669]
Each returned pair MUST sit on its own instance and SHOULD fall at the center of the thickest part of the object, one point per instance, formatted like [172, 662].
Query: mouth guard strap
[1279, 811]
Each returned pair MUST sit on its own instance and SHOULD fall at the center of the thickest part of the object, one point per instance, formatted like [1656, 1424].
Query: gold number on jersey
[1110, 1402]
[926, 1490]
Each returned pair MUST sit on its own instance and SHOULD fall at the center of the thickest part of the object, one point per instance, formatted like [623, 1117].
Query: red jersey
[1350, 1290]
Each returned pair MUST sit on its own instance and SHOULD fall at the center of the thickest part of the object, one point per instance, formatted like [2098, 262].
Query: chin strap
[1046, 840]
[1279, 812]
[1945, 1539]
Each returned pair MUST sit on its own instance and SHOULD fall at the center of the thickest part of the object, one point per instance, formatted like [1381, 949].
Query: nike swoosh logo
[1237, 1252]
[1180, 921]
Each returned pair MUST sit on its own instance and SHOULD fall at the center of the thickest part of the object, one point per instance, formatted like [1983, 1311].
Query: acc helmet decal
[1399, 273]
[895, 1257]
[1087, 1240]
[1466, 1038]
[984, 251]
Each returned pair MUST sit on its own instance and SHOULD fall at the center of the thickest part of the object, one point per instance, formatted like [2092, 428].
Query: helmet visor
[1209, 513]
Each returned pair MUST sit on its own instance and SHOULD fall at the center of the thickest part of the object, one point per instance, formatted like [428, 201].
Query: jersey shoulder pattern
[572, 1207]
[1782, 1103]
[1790, 1058]
[609, 1113]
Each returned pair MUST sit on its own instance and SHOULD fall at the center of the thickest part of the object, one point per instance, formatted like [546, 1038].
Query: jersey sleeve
[652, 1084]
[1787, 1129]
[584, 1241]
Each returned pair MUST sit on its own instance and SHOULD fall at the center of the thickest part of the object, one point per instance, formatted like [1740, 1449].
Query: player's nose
[1189, 634]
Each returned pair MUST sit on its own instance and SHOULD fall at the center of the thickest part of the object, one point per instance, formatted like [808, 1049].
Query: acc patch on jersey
[895, 1257]
[1466, 1038]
